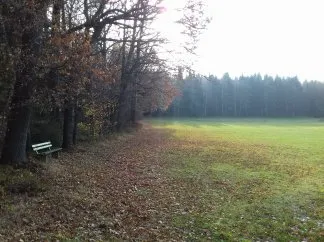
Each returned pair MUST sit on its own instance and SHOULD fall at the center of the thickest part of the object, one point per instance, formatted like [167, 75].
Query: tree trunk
[235, 100]
[68, 128]
[121, 111]
[26, 38]
[205, 104]
[29, 140]
[133, 104]
[14, 148]
[75, 126]
[222, 99]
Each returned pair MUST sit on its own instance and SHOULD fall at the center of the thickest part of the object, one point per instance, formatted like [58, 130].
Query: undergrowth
[25, 180]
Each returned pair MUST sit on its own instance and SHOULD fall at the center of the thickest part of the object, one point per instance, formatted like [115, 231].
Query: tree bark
[120, 115]
[27, 41]
[14, 148]
[121, 111]
[133, 103]
[68, 128]
[75, 125]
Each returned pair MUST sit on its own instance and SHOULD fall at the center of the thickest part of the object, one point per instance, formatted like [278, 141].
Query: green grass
[248, 179]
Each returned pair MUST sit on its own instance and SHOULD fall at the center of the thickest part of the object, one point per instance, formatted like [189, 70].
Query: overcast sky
[284, 37]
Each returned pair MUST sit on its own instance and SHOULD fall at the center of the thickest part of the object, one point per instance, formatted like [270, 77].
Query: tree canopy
[89, 65]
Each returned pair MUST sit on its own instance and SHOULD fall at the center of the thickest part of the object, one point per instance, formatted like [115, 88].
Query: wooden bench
[45, 149]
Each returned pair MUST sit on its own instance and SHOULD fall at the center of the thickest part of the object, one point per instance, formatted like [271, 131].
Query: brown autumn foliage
[69, 57]
[70, 68]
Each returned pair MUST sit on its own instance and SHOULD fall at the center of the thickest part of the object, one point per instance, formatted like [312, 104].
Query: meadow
[247, 179]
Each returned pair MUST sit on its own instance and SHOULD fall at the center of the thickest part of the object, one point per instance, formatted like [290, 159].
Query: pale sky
[284, 37]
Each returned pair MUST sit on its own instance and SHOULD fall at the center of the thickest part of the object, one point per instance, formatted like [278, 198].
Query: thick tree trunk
[29, 140]
[26, 38]
[75, 126]
[68, 128]
[14, 148]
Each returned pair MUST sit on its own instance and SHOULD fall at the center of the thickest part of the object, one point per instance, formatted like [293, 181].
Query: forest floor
[110, 190]
[171, 182]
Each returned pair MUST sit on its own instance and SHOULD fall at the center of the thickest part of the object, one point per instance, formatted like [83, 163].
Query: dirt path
[112, 189]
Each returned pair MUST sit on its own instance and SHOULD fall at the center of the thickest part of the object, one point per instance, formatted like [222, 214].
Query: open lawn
[248, 179]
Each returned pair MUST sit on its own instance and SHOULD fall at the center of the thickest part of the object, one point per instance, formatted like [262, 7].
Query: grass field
[248, 179]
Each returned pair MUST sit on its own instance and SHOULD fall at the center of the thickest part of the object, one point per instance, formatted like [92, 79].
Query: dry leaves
[101, 191]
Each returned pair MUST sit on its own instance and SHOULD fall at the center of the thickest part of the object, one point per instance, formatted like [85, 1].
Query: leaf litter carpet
[111, 190]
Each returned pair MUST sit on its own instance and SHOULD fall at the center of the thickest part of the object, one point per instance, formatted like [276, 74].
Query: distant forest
[246, 96]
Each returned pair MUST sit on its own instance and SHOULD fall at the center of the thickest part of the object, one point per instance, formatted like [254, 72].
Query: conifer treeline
[247, 96]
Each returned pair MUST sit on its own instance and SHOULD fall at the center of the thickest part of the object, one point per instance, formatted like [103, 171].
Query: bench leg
[47, 158]
[56, 155]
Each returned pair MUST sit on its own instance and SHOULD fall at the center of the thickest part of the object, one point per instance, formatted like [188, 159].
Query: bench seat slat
[41, 144]
[50, 151]
[42, 147]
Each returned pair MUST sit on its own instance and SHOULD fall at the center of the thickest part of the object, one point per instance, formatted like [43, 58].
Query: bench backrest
[42, 146]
